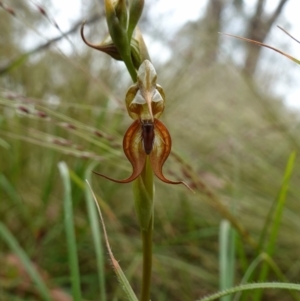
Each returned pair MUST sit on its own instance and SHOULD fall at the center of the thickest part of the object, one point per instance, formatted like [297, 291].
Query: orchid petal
[134, 152]
[133, 109]
[138, 99]
[156, 97]
[158, 105]
[161, 150]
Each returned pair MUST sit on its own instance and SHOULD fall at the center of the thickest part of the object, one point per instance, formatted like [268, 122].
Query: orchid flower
[147, 136]
[147, 142]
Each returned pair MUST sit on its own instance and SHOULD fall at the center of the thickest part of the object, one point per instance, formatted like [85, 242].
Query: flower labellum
[148, 136]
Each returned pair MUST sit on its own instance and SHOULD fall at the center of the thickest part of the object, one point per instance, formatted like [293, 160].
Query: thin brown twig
[288, 34]
[262, 44]
[46, 45]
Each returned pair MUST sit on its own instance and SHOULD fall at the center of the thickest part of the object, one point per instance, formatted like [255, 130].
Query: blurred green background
[232, 138]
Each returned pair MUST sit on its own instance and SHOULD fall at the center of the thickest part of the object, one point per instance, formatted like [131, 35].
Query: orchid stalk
[147, 142]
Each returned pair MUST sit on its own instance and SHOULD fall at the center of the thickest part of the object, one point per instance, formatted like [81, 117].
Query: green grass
[230, 142]
[185, 236]
[70, 234]
[13, 244]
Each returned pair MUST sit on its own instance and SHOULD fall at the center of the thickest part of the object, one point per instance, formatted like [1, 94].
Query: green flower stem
[147, 261]
[143, 190]
[130, 67]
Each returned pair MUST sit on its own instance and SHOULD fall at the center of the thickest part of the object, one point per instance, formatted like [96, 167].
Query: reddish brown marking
[148, 136]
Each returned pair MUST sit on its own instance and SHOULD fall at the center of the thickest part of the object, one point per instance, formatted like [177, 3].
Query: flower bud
[116, 17]
[125, 42]
[122, 13]
[135, 12]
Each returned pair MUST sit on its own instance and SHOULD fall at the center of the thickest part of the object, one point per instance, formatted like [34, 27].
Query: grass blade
[96, 234]
[32, 272]
[252, 267]
[9, 189]
[70, 233]
[252, 286]
[264, 45]
[280, 203]
[120, 275]
[226, 257]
